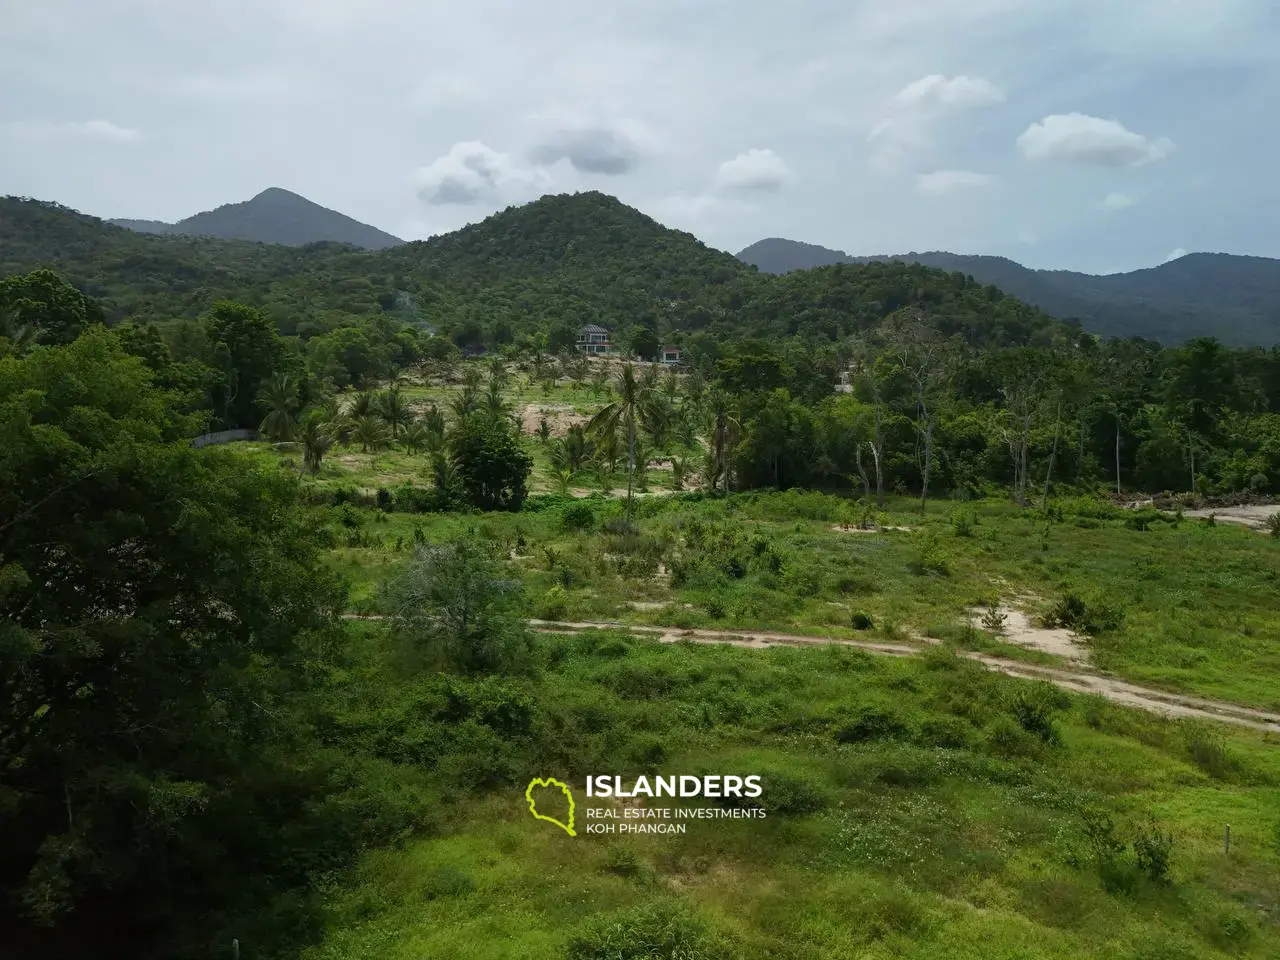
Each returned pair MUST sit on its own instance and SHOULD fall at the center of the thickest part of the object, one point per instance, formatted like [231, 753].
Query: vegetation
[285, 693]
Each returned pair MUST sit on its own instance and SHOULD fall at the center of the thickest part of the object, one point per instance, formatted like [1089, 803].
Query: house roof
[666, 347]
[592, 328]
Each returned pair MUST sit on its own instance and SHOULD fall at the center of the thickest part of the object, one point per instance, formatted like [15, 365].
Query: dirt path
[1144, 698]
[1254, 517]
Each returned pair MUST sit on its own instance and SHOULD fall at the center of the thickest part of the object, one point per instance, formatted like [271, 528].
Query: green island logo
[533, 804]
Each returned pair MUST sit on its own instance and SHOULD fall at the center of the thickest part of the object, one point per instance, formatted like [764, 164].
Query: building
[670, 354]
[594, 340]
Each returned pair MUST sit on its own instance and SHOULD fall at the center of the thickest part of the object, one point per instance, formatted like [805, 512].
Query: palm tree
[371, 433]
[625, 411]
[364, 405]
[392, 408]
[317, 437]
[464, 403]
[280, 395]
[433, 420]
[471, 377]
[444, 475]
[416, 436]
[494, 404]
[723, 435]
[679, 471]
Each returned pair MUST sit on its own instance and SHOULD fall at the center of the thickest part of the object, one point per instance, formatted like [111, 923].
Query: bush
[578, 516]
[554, 604]
[862, 621]
[383, 499]
[1208, 751]
[1273, 524]
[658, 930]
[1154, 851]
[871, 724]
[784, 793]
[1073, 612]
[963, 522]
[1034, 715]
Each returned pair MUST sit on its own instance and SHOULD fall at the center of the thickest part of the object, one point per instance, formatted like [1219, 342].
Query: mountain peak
[275, 215]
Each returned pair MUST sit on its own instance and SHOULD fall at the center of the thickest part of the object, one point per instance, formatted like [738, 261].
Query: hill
[547, 266]
[1234, 298]
[273, 216]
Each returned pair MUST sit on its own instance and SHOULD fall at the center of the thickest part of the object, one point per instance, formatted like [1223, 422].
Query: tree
[924, 358]
[724, 429]
[248, 353]
[45, 307]
[280, 397]
[492, 467]
[644, 342]
[392, 408]
[461, 608]
[153, 601]
[317, 436]
[625, 412]
[371, 433]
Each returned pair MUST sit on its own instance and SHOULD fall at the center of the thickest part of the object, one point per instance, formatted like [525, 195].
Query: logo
[550, 782]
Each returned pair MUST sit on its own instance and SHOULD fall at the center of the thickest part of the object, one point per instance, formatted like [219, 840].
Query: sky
[1092, 135]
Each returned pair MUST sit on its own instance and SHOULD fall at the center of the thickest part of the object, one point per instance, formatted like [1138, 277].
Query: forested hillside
[1233, 298]
[546, 267]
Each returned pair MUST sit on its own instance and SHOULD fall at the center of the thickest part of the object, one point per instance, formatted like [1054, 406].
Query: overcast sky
[1095, 135]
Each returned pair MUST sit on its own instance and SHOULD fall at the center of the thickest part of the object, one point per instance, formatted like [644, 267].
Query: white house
[670, 354]
[594, 340]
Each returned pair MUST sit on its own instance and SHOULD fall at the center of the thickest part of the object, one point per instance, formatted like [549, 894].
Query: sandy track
[1156, 701]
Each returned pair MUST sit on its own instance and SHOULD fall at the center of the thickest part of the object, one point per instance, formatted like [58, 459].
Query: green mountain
[1233, 298]
[273, 216]
[547, 266]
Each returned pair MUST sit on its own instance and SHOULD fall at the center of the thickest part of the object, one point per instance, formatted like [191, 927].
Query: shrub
[383, 499]
[657, 930]
[963, 522]
[578, 516]
[871, 724]
[1073, 612]
[554, 604]
[1208, 751]
[1154, 851]
[862, 621]
[930, 561]
[1273, 524]
[784, 793]
[1034, 715]
[715, 609]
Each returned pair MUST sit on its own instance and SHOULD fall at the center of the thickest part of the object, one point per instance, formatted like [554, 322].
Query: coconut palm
[371, 433]
[679, 471]
[494, 404]
[364, 404]
[392, 408]
[280, 396]
[317, 436]
[415, 437]
[433, 420]
[723, 435]
[465, 402]
[625, 413]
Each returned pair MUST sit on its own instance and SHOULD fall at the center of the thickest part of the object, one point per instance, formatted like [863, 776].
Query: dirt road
[1157, 701]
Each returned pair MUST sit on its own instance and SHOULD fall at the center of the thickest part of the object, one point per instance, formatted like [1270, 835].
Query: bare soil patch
[1253, 516]
[559, 417]
[1021, 629]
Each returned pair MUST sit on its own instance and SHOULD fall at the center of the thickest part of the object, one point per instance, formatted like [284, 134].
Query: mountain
[1234, 298]
[273, 216]
[545, 267]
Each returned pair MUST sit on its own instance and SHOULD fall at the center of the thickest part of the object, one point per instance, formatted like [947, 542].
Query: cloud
[1115, 201]
[945, 181]
[1175, 254]
[753, 170]
[603, 150]
[917, 109]
[1091, 141]
[104, 130]
[472, 172]
[250, 86]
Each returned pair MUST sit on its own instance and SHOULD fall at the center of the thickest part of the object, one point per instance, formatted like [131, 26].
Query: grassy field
[917, 808]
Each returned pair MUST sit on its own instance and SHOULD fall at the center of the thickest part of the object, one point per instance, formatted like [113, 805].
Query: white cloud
[1175, 254]
[1115, 201]
[945, 181]
[1081, 139]
[105, 130]
[472, 172]
[937, 90]
[753, 170]
[917, 109]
